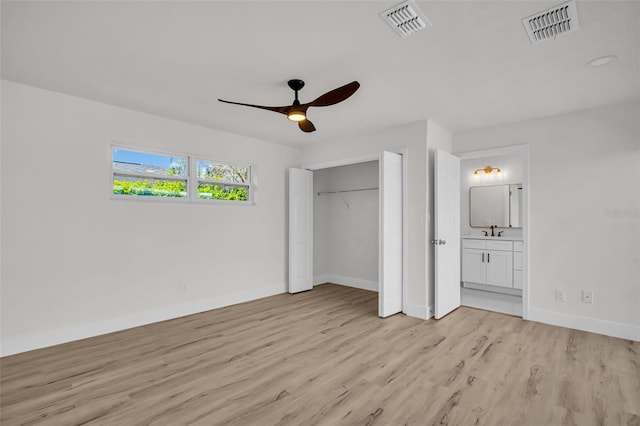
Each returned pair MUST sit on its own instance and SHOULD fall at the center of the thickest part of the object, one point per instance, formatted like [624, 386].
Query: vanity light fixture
[487, 172]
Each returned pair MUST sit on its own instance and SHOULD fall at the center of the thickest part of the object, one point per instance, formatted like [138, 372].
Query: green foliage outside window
[159, 188]
[162, 188]
[178, 167]
[219, 192]
[222, 172]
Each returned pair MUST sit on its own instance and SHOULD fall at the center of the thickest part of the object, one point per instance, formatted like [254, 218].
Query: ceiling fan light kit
[296, 116]
[298, 112]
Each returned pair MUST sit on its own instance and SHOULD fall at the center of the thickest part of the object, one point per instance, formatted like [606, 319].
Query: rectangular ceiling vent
[551, 23]
[405, 18]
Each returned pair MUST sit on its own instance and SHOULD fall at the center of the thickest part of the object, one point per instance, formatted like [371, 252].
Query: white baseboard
[608, 328]
[14, 345]
[346, 281]
[321, 279]
[418, 311]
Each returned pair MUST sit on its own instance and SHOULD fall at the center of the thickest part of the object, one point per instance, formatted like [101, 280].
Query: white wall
[413, 137]
[511, 166]
[77, 263]
[584, 214]
[346, 226]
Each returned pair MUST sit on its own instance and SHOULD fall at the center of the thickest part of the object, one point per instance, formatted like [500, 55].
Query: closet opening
[347, 227]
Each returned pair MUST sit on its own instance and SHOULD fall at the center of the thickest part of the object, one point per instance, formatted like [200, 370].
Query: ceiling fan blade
[281, 110]
[306, 126]
[336, 95]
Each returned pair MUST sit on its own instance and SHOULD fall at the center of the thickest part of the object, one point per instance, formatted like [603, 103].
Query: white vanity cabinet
[489, 262]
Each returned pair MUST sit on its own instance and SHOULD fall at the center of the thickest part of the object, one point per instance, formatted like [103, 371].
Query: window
[144, 174]
[154, 175]
[223, 181]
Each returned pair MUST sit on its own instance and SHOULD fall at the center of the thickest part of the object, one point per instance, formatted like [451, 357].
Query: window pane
[222, 172]
[147, 163]
[222, 192]
[125, 185]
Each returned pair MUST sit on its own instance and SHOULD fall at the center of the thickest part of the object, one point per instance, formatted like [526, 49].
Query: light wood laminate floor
[324, 358]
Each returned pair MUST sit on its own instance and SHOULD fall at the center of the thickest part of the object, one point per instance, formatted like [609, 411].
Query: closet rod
[346, 190]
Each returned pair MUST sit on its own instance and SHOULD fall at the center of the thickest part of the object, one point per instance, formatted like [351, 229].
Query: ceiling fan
[298, 112]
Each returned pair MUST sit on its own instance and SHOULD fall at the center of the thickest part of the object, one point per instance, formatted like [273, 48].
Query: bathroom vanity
[493, 264]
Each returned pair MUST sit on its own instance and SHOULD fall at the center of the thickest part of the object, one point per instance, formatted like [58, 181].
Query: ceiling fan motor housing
[295, 84]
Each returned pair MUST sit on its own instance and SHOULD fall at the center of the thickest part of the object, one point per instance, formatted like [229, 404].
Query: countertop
[482, 237]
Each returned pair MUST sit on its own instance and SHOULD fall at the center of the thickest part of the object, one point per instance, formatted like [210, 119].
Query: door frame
[376, 156]
[523, 151]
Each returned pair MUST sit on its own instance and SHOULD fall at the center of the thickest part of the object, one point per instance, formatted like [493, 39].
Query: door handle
[488, 258]
[482, 257]
[438, 242]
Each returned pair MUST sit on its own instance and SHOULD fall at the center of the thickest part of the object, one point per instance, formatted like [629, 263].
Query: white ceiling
[474, 68]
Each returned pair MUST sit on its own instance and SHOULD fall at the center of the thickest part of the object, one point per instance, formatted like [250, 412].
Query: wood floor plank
[323, 357]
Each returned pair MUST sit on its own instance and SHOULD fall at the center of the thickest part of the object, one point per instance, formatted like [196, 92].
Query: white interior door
[447, 233]
[300, 230]
[390, 235]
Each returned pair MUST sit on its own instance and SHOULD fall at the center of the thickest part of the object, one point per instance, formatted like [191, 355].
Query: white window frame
[197, 181]
[191, 179]
[142, 175]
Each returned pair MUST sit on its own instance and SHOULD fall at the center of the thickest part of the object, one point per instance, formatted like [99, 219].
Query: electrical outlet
[587, 296]
[560, 296]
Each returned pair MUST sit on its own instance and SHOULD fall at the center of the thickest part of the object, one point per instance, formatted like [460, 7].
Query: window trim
[190, 178]
[197, 180]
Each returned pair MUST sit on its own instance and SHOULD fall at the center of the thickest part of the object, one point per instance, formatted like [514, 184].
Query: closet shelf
[345, 190]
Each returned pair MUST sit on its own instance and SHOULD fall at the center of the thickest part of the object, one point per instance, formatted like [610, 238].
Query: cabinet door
[473, 266]
[499, 268]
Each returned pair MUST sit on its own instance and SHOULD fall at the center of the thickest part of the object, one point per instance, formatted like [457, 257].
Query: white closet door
[447, 233]
[300, 230]
[390, 235]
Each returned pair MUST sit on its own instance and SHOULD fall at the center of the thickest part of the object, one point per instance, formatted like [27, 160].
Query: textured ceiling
[475, 67]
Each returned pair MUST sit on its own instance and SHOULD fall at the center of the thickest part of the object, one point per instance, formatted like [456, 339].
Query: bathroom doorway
[494, 229]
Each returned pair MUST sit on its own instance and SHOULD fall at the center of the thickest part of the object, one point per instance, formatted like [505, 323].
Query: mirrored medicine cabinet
[498, 205]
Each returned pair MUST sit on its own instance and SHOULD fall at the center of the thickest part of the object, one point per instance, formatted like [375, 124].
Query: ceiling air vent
[551, 23]
[405, 18]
